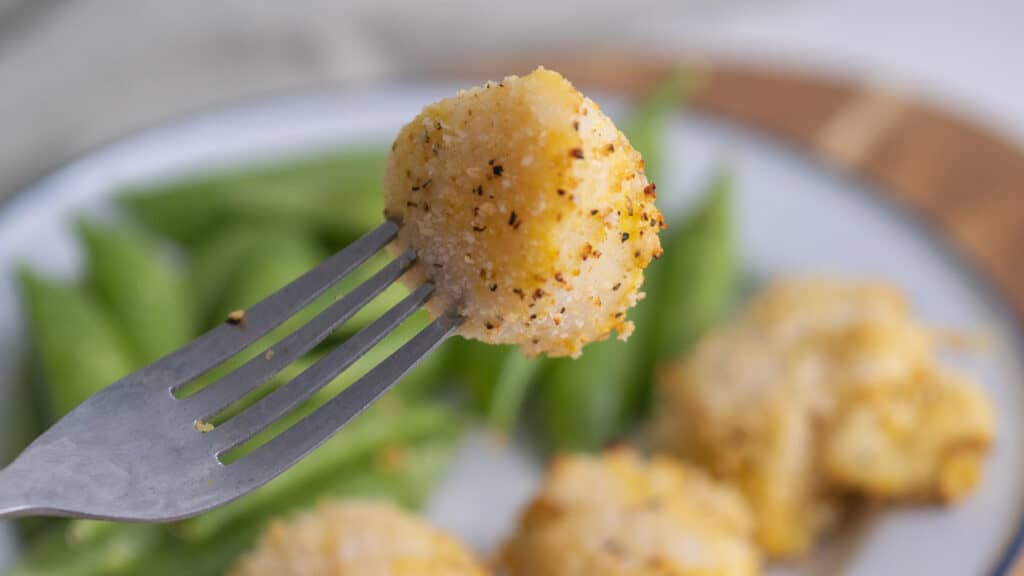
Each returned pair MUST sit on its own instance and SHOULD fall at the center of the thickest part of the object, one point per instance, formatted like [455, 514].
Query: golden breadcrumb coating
[619, 515]
[877, 444]
[357, 539]
[528, 209]
[820, 388]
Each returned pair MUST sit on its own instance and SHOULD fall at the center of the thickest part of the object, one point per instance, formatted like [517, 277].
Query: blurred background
[77, 74]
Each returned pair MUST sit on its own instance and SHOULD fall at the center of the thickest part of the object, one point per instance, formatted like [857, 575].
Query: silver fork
[135, 452]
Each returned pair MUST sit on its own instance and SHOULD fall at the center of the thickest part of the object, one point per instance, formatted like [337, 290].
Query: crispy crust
[528, 209]
[819, 389]
[353, 539]
[620, 515]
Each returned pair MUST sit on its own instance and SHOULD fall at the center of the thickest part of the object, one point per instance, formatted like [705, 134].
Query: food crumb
[236, 318]
[393, 458]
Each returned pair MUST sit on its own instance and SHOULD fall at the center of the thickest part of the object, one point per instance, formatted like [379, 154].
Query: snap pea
[44, 555]
[135, 280]
[587, 402]
[516, 374]
[688, 289]
[385, 423]
[583, 401]
[414, 385]
[337, 195]
[476, 367]
[114, 553]
[378, 306]
[176, 557]
[87, 532]
[271, 262]
[212, 263]
[496, 379]
[696, 278]
[24, 412]
[268, 264]
[403, 472]
[79, 348]
[408, 484]
[649, 122]
[26, 417]
[424, 378]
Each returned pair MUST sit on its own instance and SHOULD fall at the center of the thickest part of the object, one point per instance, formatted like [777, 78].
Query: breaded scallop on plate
[622, 515]
[819, 389]
[357, 539]
[529, 211]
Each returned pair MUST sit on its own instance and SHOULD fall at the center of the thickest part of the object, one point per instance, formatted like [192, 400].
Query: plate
[793, 217]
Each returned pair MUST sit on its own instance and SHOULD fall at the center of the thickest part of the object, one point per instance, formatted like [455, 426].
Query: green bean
[134, 279]
[382, 425]
[336, 195]
[696, 277]
[78, 346]
[649, 122]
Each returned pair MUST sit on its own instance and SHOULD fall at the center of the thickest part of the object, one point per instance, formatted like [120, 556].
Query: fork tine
[255, 418]
[286, 449]
[217, 345]
[213, 399]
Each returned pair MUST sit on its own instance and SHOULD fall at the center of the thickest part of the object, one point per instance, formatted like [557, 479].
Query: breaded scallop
[925, 438]
[529, 211]
[620, 515]
[822, 388]
[357, 539]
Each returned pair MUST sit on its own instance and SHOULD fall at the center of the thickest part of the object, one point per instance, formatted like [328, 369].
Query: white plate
[793, 217]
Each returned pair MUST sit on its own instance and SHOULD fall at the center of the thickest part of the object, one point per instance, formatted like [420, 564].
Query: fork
[136, 452]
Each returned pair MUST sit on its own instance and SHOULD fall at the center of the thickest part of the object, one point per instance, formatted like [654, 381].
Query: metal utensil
[136, 452]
